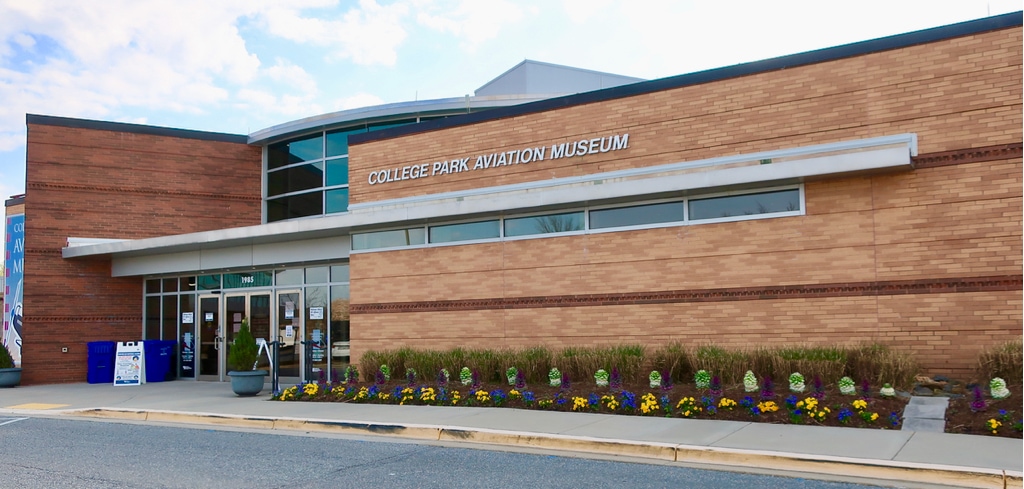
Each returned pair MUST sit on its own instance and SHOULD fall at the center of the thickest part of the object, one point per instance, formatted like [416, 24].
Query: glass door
[208, 339]
[289, 333]
[256, 307]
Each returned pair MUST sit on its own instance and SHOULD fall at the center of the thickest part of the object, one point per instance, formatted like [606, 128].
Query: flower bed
[824, 408]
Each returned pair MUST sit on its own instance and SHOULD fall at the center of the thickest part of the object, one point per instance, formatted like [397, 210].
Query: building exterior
[863, 193]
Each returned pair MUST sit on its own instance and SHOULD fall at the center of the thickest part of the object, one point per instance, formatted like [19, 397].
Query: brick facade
[955, 219]
[114, 181]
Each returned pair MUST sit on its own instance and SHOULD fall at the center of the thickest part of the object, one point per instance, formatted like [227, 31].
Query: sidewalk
[939, 458]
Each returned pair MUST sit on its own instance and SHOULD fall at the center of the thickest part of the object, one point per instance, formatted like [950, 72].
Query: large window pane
[209, 282]
[187, 337]
[337, 142]
[302, 205]
[337, 172]
[340, 345]
[170, 317]
[551, 223]
[286, 153]
[153, 286]
[745, 205]
[295, 178]
[291, 276]
[152, 331]
[636, 215]
[339, 273]
[336, 200]
[317, 275]
[464, 232]
[388, 239]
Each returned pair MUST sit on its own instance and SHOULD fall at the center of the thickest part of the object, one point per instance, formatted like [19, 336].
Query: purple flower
[978, 404]
[593, 400]
[818, 388]
[666, 380]
[716, 386]
[520, 380]
[476, 380]
[894, 419]
[379, 378]
[844, 415]
[615, 380]
[529, 397]
[442, 379]
[767, 388]
[747, 402]
[565, 381]
[865, 389]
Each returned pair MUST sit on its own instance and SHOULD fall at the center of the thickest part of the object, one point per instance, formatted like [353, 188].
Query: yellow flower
[874, 416]
[860, 404]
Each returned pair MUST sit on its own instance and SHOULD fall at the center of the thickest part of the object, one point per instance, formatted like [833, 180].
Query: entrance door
[209, 339]
[218, 331]
[289, 333]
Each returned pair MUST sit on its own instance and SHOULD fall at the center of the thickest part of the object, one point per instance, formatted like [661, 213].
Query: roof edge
[49, 120]
[888, 43]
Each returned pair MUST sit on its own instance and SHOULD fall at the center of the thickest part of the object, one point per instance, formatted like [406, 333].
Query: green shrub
[5, 357]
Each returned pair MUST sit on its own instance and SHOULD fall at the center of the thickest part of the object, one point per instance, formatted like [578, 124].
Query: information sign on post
[130, 363]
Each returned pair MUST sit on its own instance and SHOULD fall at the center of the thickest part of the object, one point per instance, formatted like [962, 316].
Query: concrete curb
[968, 477]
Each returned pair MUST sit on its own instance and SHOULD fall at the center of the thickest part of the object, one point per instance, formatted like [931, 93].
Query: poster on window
[14, 264]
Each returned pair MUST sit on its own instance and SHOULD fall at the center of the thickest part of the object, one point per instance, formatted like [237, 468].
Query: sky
[238, 66]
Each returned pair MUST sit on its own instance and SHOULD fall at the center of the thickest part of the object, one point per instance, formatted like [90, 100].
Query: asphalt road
[62, 453]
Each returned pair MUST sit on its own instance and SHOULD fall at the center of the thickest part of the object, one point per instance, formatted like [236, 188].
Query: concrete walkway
[895, 455]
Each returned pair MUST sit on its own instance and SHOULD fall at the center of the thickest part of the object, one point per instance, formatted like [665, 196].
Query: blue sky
[238, 66]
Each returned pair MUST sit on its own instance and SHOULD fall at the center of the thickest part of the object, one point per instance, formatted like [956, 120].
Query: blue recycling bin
[101, 362]
[159, 354]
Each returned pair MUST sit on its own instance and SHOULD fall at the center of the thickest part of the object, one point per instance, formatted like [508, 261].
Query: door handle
[216, 342]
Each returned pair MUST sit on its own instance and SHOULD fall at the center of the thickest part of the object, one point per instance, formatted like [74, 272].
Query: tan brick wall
[944, 222]
[931, 326]
[954, 94]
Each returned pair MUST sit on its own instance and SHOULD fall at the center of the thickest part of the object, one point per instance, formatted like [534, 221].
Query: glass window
[339, 273]
[153, 286]
[209, 282]
[292, 276]
[337, 200]
[152, 318]
[186, 357]
[302, 205]
[170, 318]
[745, 205]
[551, 223]
[337, 172]
[247, 279]
[339, 314]
[286, 153]
[317, 275]
[170, 285]
[188, 283]
[388, 239]
[337, 142]
[295, 178]
[636, 215]
[464, 232]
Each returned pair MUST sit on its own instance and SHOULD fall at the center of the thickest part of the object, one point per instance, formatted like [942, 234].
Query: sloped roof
[535, 77]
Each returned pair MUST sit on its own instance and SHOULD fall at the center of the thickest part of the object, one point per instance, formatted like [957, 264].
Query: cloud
[473, 21]
[356, 101]
[369, 34]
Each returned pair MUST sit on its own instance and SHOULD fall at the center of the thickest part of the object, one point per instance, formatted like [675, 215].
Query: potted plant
[10, 375]
[242, 355]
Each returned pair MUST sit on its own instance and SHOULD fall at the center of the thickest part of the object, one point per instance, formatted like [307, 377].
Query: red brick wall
[929, 261]
[114, 184]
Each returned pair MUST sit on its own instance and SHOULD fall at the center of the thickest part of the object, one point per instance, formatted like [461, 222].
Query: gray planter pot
[247, 383]
[10, 377]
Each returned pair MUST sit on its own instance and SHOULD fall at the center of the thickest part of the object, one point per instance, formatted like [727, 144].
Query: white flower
[797, 386]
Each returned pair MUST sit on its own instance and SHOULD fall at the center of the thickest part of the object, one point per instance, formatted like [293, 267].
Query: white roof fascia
[889, 153]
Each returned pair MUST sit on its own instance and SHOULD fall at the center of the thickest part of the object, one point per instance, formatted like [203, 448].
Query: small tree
[243, 351]
[5, 357]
